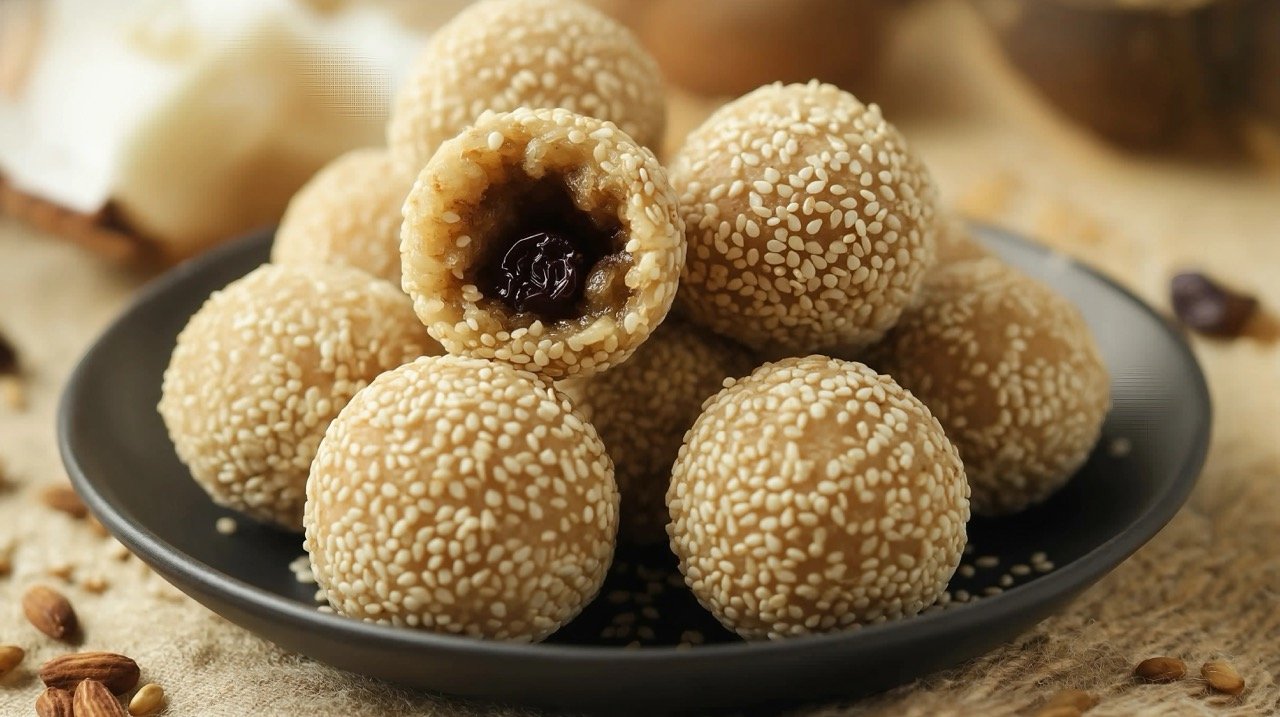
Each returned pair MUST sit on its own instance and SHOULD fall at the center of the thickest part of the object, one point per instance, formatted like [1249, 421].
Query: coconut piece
[265, 364]
[643, 407]
[347, 214]
[1013, 374]
[816, 495]
[501, 55]
[461, 496]
[545, 239]
[809, 220]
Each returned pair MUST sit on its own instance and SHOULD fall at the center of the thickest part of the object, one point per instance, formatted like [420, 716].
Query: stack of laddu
[584, 338]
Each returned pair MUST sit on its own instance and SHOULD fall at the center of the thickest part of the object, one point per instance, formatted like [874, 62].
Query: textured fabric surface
[1208, 586]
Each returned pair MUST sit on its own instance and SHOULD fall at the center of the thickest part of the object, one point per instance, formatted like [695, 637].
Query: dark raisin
[1208, 307]
[8, 357]
[543, 273]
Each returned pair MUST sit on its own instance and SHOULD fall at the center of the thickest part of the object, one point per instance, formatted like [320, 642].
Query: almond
[63, 498]
[117, 672]
[10, 657]
[93, 699]
[148, 701]
[1161, 669]
[54, 702]
[1222, 677]
[50, 612]
[1079, 699]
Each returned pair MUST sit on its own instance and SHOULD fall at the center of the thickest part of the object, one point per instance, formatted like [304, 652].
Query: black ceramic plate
[122, 462]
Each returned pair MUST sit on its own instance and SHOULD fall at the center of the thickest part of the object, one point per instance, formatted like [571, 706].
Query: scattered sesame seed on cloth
[1207, 587]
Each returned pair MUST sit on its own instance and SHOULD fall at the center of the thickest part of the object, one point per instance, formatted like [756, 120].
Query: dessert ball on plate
[265, 364]
[544, 239]
[643, 407]
[809, 220]
[461, 496]
[1011, 371]
[504, 54]
[347, 214]
[816, 495]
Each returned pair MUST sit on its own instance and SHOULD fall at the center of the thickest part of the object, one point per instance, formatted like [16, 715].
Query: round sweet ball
[504, 54]
[543, 238]
[809, 220]
[956, 242]
[347, 214]
[816, 495]
[461, 496]
[264, 366]
[642, 409]
[1012, 372]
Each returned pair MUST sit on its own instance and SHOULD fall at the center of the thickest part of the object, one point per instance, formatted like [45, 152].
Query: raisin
[1208, 307]
[543, 273]
[8, 357]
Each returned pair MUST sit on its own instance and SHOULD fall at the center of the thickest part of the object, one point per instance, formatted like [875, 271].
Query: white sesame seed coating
[347, 214]
[461, 496]
[810, 221]
[643, 407]
[450, 230]
[265, 364]
[503, 54]
[1011, 371]
[816, 495]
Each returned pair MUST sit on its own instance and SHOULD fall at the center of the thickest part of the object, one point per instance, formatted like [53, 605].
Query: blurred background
[153, 129]
[1142, 136]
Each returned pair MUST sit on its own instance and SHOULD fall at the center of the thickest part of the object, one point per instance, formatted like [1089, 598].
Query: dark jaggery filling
[544, 257]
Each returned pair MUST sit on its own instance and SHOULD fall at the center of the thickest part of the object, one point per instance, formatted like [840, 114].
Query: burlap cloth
[1208, 586]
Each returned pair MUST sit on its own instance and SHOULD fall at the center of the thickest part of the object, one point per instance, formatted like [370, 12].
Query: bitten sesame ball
[347, 214]
[809, 220]
[544, 239]
[1012, 373]
[816, 495]
[500, 55]
[643, 407]
[265, 364]
[461, 496]
[956, 243]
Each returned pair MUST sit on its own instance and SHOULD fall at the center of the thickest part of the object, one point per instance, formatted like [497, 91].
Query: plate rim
[1068, 580]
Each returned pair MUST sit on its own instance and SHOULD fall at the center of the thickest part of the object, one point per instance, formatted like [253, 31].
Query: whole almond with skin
[93, 699]
[10, 657]
[54, 702]
[117, 672]
[1078, 699]
[50, 612]
[1222, 677]
[1161, 669]
[63, 498]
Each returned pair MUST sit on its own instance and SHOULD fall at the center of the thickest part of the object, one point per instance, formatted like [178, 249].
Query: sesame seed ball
[503, 54]
[809, 220]
[1012, 373]
[816, 495]
[545, 239]
[643, 407]
[262, 368]
[956, 243]
[347, 214]
[462, 496]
